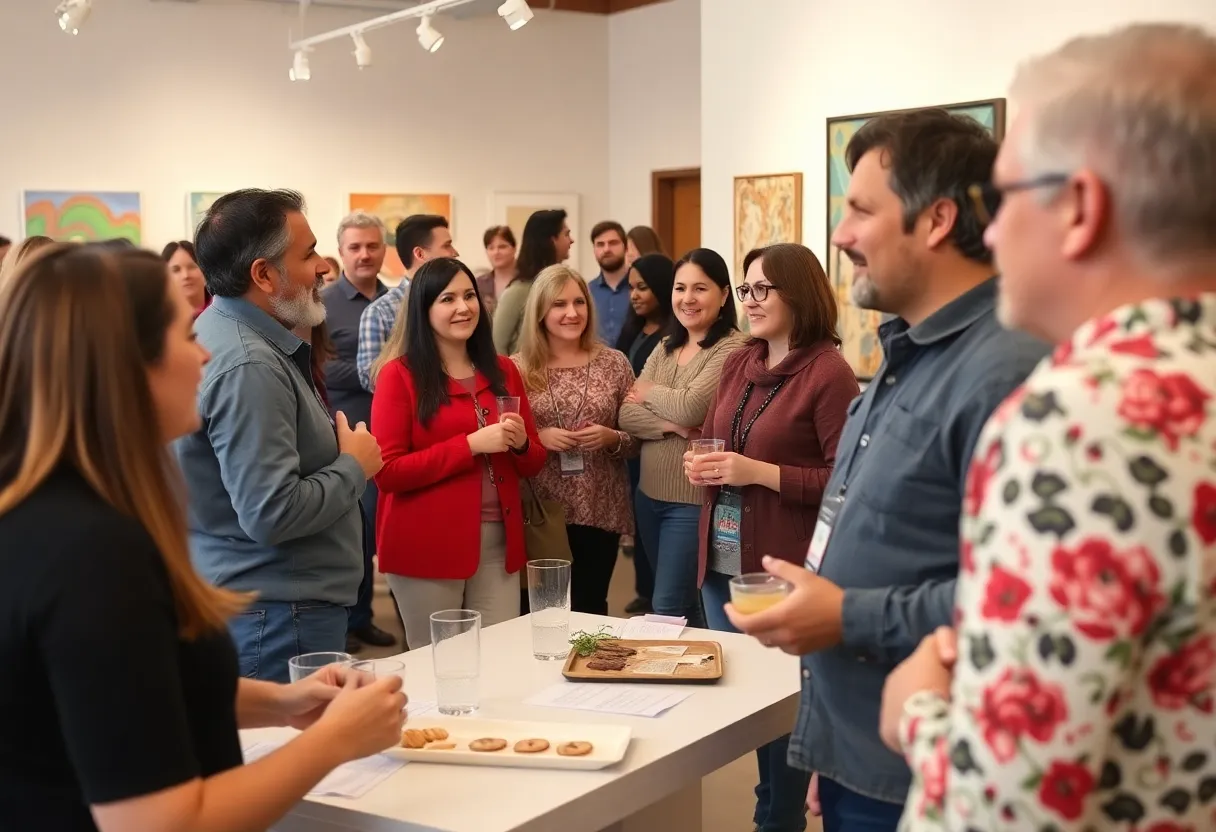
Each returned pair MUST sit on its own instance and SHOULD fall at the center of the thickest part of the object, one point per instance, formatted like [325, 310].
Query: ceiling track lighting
[516, 13]
[363, 52]
[300, 71]
[428, 37]
[72, 14]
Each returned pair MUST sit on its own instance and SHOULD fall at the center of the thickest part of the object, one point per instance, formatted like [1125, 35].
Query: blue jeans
[669, 535]
[361, 612]
[643, 575]
[781, 793]
[272, 632]
[847, 811]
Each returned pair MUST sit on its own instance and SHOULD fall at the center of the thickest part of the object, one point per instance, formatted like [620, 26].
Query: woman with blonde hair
[16, 254]
[576, 386]
[119, 669]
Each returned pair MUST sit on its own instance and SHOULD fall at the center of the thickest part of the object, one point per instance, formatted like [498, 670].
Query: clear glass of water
[549, 604]
[300, 666]
[456, 648]
[379, 668]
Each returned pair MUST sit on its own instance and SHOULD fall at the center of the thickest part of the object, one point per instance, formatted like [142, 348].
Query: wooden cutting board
[647, 664]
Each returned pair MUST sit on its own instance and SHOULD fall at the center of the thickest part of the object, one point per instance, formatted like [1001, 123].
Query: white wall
[772, 75]
[166, 97]
[654, 78]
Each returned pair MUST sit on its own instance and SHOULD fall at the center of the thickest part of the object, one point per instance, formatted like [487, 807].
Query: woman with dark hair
[546, 243]
[640, 241]
[499, 242]
[183, 267]
[449, 525]
[666, 407]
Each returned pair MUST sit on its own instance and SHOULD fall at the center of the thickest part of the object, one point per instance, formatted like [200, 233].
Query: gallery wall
[165, 98]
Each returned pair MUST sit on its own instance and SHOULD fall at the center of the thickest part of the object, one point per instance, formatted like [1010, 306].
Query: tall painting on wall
[512, 209]
[392, 209]
[82, 216]
[859, 327]
[768, 210]
[198, 203]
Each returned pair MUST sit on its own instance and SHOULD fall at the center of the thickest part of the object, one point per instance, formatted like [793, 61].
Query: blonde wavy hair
[534, 351]
[20, 252]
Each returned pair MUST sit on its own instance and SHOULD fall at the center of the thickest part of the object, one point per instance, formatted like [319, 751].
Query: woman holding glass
[666, 407]
[780, 407]
[449, 524]
[577, 386]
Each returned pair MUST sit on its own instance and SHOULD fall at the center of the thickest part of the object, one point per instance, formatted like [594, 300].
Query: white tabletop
[754, 703]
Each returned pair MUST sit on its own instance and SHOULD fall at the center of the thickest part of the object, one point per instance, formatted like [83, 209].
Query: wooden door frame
[662, 202]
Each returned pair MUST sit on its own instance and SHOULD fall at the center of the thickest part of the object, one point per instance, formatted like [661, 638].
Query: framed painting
[82, 216]
[512, 209]
[392, 209]
[198, 203]
[768, 210]
[859, 327]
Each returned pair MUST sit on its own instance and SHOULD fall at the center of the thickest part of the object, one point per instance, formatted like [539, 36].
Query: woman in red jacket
[449, 527]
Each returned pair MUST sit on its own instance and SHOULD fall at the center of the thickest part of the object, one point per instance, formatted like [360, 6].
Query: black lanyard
[739, 440]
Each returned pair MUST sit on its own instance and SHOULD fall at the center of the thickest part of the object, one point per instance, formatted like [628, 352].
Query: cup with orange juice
[757, 591]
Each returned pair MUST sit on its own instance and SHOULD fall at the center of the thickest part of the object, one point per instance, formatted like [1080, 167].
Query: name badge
[728, 515]
[829, 510]
[572, 463]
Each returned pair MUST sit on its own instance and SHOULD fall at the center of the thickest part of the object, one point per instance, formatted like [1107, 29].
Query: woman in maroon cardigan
[449, 525]
[780, 407]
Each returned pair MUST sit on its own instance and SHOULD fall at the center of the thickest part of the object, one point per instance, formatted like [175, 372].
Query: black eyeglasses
[759, 291]
[987, 196]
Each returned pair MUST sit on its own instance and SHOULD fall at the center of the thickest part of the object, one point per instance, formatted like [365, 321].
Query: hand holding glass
[757, 591]
[700, 447]
[299, 667]
[507, 404]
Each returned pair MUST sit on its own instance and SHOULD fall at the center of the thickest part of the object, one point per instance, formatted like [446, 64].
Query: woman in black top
[120, 684]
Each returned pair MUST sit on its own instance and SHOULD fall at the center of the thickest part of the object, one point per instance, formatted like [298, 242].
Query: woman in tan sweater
[665, 408]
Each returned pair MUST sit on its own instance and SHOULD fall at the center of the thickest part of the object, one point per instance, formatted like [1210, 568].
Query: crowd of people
[1002, 552]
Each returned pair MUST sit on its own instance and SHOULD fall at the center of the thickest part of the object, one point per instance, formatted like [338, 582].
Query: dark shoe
[353, 645]
[639, 606]
[373, 635]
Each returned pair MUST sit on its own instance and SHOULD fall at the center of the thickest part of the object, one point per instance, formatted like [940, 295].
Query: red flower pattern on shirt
[1065, 787]
[1108, 592]
[1018, 705]
[1172, 405]
[1185, 677]
[1005, 595]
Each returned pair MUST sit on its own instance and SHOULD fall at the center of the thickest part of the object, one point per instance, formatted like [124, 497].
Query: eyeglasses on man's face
[987, 196]
[758, 291]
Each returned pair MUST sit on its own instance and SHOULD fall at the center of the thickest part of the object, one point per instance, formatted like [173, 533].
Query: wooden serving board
[703, 671]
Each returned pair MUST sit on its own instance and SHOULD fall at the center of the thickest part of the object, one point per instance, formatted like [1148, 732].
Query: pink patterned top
[599, 496]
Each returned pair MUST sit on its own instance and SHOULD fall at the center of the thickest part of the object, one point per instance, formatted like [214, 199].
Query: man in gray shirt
[274, 484]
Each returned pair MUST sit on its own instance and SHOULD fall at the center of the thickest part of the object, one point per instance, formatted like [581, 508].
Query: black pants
[594, 553]
[360, 615]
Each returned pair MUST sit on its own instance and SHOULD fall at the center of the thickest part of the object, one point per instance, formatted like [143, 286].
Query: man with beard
[610, 290]
[884, 556]
[274, 483]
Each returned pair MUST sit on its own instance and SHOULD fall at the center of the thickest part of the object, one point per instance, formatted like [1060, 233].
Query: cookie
[488, 744]
[441, 746]
[433, 734]
[574, 749]
[531, 746]
[413, 738]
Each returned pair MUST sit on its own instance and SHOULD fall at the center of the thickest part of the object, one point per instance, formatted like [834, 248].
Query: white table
[656, 787]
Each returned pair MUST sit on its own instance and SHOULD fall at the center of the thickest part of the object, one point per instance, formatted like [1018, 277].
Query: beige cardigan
[681, 395]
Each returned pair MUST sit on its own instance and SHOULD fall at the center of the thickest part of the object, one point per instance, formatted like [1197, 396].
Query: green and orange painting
[83, 215]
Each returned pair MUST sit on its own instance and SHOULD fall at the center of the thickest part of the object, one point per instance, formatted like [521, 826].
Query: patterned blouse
[599, 496]
[1084, 697]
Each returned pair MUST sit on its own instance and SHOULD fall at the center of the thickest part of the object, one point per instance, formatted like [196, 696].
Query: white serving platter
[609, 743]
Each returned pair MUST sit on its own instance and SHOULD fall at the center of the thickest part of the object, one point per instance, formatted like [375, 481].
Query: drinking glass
[549, 604]
[757, 591]
[456, 648]
[507, 404]
[380, 668]
[700, 447]
[300, 666]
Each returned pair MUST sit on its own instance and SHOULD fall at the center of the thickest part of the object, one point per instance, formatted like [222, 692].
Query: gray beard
[298, 310]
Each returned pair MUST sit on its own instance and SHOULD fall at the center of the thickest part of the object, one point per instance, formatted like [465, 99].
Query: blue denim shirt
[611, 307]
[273, 506]
[901, 465]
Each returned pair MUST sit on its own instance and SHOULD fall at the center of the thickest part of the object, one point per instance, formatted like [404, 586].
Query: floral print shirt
[1084, 697]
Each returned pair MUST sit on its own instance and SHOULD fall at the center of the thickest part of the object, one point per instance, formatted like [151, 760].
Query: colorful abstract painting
[82, 215]
[198, 203]
[768, 210]
[859, 327]
[392, 209]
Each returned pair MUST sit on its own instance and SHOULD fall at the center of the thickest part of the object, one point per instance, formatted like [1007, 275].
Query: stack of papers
[652, 627]
[633, 700]
[350, 780]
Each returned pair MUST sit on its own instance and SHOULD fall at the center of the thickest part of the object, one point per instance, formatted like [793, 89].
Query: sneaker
[374, 636]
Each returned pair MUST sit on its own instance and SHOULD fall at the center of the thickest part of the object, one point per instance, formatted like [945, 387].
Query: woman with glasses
[780, 407]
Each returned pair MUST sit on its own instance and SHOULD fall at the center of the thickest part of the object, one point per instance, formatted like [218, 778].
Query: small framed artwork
[768, 210]
[512, 209]
[392, 209]
[83, 216]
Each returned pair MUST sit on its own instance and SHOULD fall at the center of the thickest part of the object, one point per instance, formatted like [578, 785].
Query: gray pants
[491, 591]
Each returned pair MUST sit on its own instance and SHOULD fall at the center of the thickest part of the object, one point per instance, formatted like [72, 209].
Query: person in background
[361, 244]
[576, 387]
[19, 253]
[449, 526]
[274, 483]
[780, 405]
[546, 242]
[117, 657]
[650, 284]
[640, 241]
[5, 245]
[183, 267]
[666, 407]
[884, 558]
[1077, 692]
[499, 241]
[420, 237]
[610, 288]
[335, 270]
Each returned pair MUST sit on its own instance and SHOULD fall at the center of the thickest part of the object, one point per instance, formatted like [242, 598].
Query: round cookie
[574, 749]
[534, 746]
[488, 744]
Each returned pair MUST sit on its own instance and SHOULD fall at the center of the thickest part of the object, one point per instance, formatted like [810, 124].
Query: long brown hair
[78, 326]
[20, 252]
[795, 272]
[534, 338]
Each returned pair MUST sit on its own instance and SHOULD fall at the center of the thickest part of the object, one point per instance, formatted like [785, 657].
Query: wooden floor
[728, 800]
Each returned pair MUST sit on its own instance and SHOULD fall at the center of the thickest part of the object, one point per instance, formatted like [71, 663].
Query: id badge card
[829, 510]
[728, 514]
[572, 463]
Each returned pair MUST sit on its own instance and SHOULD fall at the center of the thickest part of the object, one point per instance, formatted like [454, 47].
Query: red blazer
[428, 515]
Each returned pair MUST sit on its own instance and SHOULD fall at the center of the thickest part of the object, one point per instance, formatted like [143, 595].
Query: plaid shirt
[374, 326]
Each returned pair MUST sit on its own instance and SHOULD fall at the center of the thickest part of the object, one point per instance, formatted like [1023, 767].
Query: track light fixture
[300, 70]
[516, 13]
[428, 37]
[72, 14]
[363, 52]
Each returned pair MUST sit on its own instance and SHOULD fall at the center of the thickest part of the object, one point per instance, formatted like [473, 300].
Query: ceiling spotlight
[300, 70]
[363, 52]
[72, 14]
[516, 13]
[428, 36]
